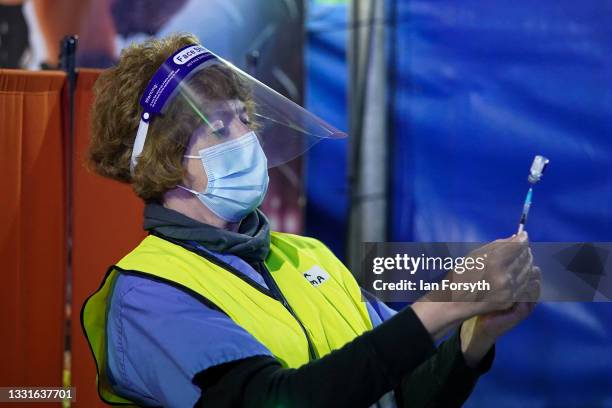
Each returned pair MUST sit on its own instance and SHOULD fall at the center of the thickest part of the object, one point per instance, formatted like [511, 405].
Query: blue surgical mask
[237, 172]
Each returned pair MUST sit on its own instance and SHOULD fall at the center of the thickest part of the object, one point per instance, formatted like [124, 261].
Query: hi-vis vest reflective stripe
[330, 307]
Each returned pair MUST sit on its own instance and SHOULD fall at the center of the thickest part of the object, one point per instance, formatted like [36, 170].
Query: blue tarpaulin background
[480, 88]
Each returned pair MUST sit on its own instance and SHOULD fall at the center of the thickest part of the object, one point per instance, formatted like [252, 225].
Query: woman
[212, 308]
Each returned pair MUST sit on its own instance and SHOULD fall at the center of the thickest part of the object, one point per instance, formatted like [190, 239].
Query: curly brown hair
[116, 114]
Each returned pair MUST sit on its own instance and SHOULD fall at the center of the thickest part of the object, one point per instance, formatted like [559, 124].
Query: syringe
[535, 174]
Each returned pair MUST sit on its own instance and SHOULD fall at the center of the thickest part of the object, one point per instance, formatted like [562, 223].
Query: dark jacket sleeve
[444, 380]
[356, 375]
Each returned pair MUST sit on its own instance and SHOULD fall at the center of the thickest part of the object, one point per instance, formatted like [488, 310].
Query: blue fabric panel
[326, 86]
[481, 87]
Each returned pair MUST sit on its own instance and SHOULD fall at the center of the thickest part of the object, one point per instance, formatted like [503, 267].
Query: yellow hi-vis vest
[321, 292]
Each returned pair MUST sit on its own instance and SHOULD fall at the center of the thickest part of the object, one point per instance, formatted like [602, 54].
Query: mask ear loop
[188, 189]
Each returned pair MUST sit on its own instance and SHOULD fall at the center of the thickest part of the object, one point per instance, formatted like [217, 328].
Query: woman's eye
[245, 119]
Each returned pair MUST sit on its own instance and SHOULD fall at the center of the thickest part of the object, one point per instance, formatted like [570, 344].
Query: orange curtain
[107, 224]
[32, 219]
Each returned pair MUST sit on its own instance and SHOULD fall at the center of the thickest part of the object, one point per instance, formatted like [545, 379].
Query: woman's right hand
[507, 266]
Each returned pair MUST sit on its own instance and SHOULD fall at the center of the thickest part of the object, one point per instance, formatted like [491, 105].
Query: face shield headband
[164, 85]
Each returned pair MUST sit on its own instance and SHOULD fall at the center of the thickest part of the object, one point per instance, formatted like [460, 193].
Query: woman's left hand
[479, 333]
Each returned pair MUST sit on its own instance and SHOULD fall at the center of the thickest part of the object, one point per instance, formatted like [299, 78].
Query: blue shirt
[153, 355]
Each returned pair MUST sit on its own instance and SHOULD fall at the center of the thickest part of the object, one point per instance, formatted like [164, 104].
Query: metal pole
[367, 173]
[68, 48]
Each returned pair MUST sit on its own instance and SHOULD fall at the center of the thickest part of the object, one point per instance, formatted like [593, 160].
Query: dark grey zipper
[280, 297]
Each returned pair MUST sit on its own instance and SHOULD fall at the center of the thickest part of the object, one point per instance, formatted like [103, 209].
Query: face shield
[219, 103]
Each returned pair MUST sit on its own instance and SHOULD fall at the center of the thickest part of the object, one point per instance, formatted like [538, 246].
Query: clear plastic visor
[227, 103]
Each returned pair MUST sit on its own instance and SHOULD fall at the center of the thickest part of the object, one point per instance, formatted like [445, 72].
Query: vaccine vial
[537, 169]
